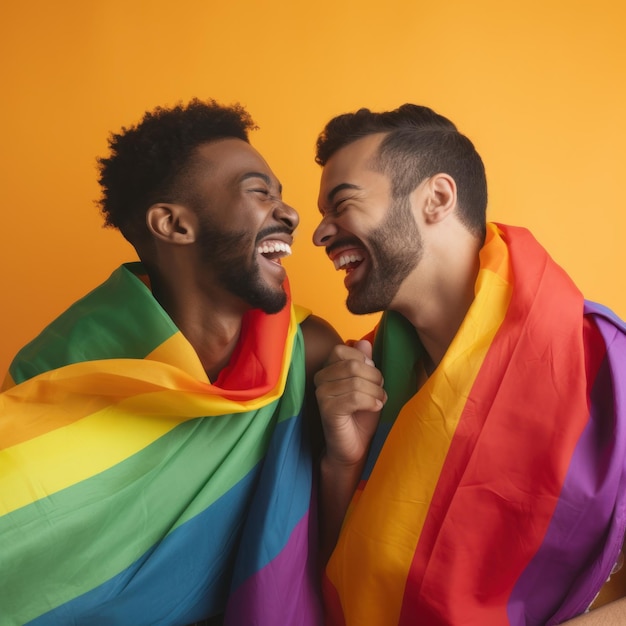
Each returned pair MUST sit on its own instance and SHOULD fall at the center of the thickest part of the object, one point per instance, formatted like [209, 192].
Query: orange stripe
[505, 427]
[370, 566]
[178, 352]
[58, 398]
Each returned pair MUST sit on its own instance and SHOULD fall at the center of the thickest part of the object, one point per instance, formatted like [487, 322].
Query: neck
[438, 326]
[209, 320]
[438, 296]
[214, 346]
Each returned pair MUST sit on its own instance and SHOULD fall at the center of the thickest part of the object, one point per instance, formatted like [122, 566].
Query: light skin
[434, 296]
[354, 200]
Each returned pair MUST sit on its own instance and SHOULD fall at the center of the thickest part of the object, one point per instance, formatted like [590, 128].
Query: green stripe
[397, 352]
[118, 319]
[84, 535]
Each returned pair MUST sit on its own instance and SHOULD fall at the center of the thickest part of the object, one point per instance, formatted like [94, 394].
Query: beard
[236, 270]
[397, 248]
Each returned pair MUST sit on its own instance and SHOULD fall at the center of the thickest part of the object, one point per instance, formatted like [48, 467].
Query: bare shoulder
[319, 339]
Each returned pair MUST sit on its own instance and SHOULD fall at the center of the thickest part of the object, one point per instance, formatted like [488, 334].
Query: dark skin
[240, 193]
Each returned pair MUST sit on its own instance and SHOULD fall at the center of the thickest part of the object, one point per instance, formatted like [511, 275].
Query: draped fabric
[495, 493]
[134, 491]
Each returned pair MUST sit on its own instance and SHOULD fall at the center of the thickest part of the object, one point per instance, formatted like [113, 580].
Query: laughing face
[244, 226]
[364, 231]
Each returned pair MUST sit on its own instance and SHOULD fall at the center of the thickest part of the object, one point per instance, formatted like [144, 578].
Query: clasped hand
[350, 396]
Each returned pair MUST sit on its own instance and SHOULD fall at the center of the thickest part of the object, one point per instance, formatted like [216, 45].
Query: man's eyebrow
[264, 177]
[335, 190]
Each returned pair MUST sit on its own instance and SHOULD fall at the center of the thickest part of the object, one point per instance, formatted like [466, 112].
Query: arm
[350, 396]
[319, 340]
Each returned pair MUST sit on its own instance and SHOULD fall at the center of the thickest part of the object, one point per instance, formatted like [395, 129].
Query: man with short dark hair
[490, 488]
[157, 450]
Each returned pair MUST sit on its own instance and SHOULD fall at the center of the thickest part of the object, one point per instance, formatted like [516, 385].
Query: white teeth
[344, 259]
[274, 246]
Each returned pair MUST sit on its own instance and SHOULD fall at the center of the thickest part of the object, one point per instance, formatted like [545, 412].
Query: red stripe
[495, 496]
[333, 613]
[256, 361]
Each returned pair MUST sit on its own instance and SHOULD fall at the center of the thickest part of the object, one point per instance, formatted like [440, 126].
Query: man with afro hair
[159, 440]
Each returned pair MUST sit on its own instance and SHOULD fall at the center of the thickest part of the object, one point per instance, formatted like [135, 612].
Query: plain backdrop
[539, 86]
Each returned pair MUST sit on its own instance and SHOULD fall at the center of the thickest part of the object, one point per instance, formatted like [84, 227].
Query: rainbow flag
[134, 491]
[494, 494]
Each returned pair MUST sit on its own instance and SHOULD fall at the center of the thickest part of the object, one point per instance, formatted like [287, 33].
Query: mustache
[272, 230]
[342, 243]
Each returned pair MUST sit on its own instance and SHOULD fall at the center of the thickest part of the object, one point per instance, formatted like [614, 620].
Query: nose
[324, 233]
[287, 215]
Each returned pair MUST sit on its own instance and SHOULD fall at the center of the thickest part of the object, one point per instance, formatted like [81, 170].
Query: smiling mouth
[274, 250]
[347, 260]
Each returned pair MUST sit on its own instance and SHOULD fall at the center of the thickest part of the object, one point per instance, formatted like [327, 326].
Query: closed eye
[340, 206]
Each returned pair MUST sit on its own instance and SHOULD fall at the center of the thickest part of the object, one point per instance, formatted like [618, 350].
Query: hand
[350, 396]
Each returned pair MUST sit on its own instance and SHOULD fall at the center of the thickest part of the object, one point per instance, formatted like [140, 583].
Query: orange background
[539, 86]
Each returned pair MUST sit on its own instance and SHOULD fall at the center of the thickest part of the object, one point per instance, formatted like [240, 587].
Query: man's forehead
[352, 159]
[357, 155]
[352, 168]
[233, 158]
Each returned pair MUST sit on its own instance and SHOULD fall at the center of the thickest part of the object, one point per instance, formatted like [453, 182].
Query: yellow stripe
[301, 313]
[177, 351]
[385, 525]
[40, 467]
[62, 457]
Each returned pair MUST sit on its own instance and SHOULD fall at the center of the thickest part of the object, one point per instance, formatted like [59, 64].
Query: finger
[343, 352]
[346, 404]
[365, 347]
[343, 386]
[341, 397]
[348, 369]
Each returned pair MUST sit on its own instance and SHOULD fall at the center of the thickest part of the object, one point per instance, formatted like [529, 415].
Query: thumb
[365, 347]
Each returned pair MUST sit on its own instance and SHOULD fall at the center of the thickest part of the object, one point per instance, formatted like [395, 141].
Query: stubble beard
[396, 247]
[236, 271]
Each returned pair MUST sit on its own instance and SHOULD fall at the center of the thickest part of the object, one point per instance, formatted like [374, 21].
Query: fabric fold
[129, 483]
[506, 464]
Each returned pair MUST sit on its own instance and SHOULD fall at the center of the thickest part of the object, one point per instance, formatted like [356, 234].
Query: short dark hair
[418, 143]
[149, 162]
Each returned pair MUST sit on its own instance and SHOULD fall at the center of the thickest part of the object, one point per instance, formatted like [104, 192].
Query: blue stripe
[183, 579]
[276, 512]
[187, 576]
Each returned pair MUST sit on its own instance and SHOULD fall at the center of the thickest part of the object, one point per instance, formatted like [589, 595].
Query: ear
[173, 223]
[440, 201]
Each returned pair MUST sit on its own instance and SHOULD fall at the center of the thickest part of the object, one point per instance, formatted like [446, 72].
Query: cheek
[244, 218]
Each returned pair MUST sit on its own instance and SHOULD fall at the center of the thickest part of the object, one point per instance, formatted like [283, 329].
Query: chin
[271, 302]
[273, 309]
[363, 306]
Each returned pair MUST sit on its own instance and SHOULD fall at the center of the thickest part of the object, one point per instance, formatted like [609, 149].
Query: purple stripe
[587, 528]
[285, 591]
